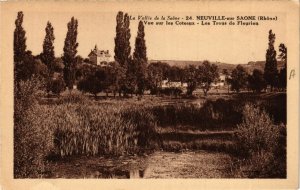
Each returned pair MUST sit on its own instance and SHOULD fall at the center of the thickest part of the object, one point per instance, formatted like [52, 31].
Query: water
[189, 164]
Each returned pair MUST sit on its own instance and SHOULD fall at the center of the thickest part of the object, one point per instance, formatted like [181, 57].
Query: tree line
[131, 73]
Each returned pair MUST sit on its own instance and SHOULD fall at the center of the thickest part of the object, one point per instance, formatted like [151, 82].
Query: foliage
[122, 39]
[238, 78]
[260, 143]
[47, 56]
[282, 78]
[70, 51]
[176, 74]
[171, 91]
[19, 39]
[191, 76]
[155, 76]
[110, 129]
[140, 58]
[94, 82]
[32, 134]
[57, 86]
[270, 71]
[256, 81]
[208, 73]
[212, 115]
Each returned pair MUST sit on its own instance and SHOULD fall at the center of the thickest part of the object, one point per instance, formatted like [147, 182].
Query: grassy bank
[76, 125]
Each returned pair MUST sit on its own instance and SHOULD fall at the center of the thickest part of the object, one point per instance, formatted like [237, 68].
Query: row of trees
[128, 70]
[130, 74]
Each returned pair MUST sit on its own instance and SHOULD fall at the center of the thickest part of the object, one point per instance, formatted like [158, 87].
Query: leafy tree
[238, 78]
[119, 44]
[208, 73]
[140, 58]
[155, 76]
[57, 85]
[130, 83]
[190, 73]
[122, 52]
[176, 74]
[70, 51]
[270, 71]
[283, 72]
[19, 48]
[256, 81]
[19, 39]
[47, 56]
[140, 51]
[58, 65]
[122, 39]
[94, 83]
[226, 73]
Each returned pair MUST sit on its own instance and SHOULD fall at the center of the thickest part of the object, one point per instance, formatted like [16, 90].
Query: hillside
[250, 66]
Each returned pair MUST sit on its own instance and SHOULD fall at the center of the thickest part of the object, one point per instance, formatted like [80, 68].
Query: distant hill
[250, 66]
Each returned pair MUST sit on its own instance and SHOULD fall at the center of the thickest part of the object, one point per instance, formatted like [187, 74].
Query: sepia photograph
[137, 92]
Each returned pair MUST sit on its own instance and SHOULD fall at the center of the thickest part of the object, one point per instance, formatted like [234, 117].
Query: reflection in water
[189, 164]
[135, 174]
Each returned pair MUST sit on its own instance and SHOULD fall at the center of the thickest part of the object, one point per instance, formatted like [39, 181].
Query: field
[134, 137]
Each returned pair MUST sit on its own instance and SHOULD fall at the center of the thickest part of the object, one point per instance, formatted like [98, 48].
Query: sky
[229, 44]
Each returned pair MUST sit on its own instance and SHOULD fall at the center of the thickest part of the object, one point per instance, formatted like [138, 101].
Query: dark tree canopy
[19, 39]
[119, 44]
[208, 73]
[20, 69]
[140, 50]
[47, 56]
[122, 39]
[70, 51]
[191, 73]
[256, 81]
[238, 78]
[283, 72]
[140, 58]
[270, 71]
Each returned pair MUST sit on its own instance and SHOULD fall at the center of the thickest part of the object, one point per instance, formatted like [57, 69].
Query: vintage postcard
[149, 94]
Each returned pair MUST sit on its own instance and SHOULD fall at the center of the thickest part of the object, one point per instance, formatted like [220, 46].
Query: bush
[32, 138]
[57, 86]
[170, 91]
[261, 144]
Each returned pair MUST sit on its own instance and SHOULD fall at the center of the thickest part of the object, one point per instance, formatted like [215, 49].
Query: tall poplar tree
[127, 36]
[122, 51]
[70, 51]
[47, 56]
[140, 58]
[119, 44]
[270, 71]
[283, 72]
[19, 46]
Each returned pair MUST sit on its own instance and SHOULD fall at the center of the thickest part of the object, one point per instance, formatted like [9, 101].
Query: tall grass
[104, 129]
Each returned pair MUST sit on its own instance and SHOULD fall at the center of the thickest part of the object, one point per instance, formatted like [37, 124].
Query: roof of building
[99, 53]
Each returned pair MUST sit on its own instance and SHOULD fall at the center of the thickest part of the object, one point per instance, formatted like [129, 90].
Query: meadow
[250, 128]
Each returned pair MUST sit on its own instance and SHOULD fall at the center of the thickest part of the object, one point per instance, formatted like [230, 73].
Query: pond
[187, 164]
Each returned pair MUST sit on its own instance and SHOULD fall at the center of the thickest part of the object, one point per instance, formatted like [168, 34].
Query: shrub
[257, 133]
[32, 139]
[261, 144]
[170, 91]
[57, 86]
